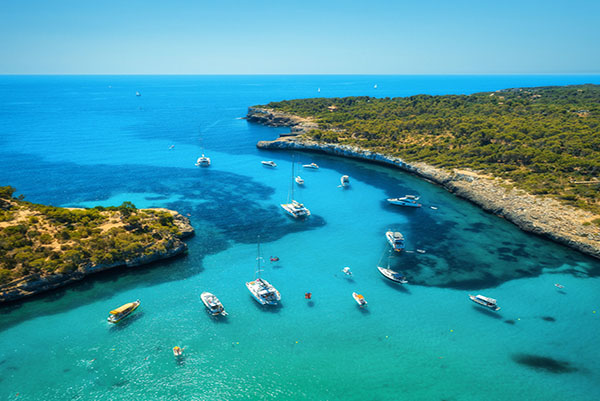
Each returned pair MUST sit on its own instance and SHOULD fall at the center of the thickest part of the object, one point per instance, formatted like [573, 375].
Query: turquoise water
[85, 141]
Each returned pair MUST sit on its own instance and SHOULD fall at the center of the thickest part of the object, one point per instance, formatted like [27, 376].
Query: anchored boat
[299, 180]
[203, 161]
[293, 207]
[408, 200]
[345, 180]
[122, 312]
[485, 301]
[396, 240]
[360, 300]
[261, 289]
[269, 163]
[391, 274]
[212, 303]
[311, 165]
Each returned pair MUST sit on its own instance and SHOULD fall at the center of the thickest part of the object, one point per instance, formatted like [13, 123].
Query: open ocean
[89, 140]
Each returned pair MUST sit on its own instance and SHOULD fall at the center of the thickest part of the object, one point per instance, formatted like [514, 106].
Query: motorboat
[559, 286]
[347, 271]
[360, 300]
[261, 289]
[390, 274]
[177, 351]
[212, 303]
[299, 180]
[396, 240]
[311, 165]
[122, 312]
[269, 163]
[203, 161]
[485, 301]
[293, 207]
[345, 180]
[138, 94]
[408, 200]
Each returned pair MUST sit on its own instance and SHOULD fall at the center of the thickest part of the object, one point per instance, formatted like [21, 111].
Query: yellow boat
[123, 311]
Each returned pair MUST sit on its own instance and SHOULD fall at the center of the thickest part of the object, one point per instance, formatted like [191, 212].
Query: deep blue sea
[89, 140]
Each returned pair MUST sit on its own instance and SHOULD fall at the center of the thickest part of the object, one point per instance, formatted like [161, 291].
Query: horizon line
[298, 74]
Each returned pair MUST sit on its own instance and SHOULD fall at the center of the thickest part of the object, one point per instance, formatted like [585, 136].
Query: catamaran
[212, 303]
[408, 200]
[391, 274]
[261, 290]
[396, 240]
[293, 207]
[485, 301]
[122, 312]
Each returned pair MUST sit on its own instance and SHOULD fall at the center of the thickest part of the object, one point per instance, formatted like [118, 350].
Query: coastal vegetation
[45, 240]
[543, 140]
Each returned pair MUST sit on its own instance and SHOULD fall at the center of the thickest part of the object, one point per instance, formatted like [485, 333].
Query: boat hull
[360, 300]
[253, 288]
[216, 309]
[485, 304]
[295, 212]
[396, 246]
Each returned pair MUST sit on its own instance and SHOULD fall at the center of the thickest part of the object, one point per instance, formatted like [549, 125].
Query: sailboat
[293, 207]
[262, 291]
[203, 161]
[391, 274]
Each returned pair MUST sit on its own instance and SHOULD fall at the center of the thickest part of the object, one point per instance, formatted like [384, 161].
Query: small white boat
[299, 180]
[421, 250]
[138, 94]
[213, 305]
[269, 163]
[408, 200]
[345, 180]
[203, 161]
[311, 165]
[375, 86]
[396, 240]
[360, 300]
[262, 291]
[485, 301]
[559, 285]
[122, 312]
[347, 271]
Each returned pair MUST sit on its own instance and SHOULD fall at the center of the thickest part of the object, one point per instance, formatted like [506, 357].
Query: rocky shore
[538, 215]
[35, 283]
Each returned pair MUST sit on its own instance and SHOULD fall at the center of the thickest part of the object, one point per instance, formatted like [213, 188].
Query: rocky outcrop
[271, 118]
[35, 284]
[542, 216]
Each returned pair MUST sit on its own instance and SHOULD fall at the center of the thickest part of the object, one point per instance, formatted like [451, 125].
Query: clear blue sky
[299, 37]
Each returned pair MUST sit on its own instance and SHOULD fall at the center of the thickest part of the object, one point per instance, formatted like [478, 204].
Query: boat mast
[293, 162]
[258, 258]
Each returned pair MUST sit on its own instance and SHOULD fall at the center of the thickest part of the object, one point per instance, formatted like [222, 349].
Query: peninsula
[530, 155]
[44, 247]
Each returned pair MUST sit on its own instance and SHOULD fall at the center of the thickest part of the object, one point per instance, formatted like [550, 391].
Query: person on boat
[308, 295]
[274, 259]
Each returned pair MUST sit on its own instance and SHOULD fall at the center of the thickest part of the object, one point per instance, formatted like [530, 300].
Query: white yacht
[408, 200]
[485, 301]
[261, 290]
[396, 240]
[389, 273]
[212, 303]
[203, 161]
[311, 165]
[345, 180]
[293, 207]
[269, 163]
[299, 180]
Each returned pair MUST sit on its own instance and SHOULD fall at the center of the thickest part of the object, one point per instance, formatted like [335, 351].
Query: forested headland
[39, 240]
[544, 140]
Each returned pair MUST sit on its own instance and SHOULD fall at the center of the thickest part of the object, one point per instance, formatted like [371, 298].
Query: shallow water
[75, 141]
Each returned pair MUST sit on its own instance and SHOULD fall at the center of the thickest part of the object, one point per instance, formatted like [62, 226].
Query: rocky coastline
[35, 284]
[542, 216]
